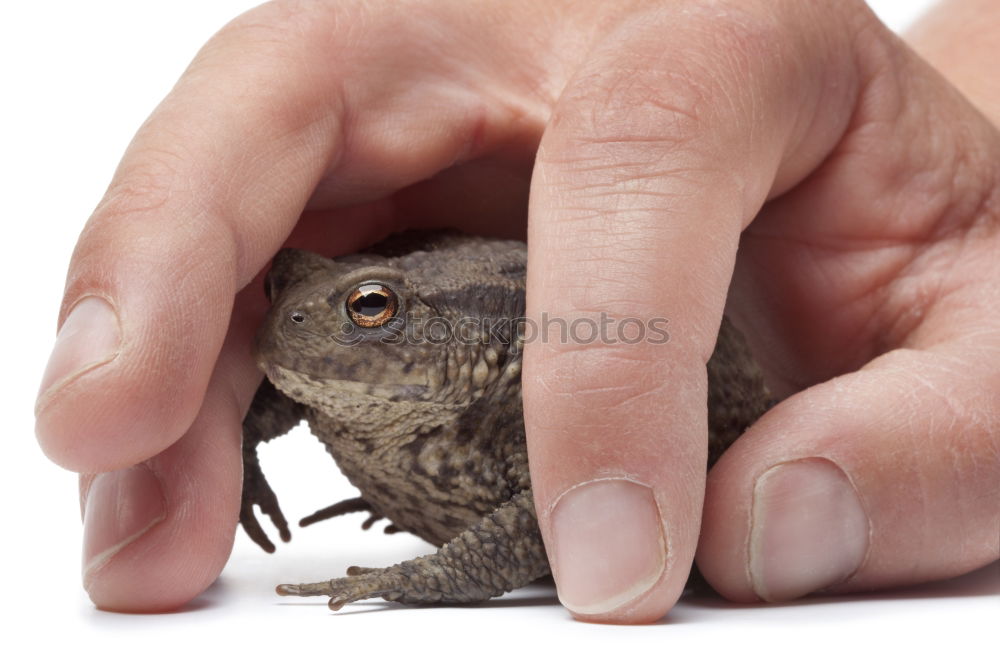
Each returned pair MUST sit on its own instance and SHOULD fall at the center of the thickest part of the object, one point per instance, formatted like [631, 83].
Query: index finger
[659, 153]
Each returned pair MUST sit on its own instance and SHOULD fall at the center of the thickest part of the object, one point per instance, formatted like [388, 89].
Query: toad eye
[372, 305]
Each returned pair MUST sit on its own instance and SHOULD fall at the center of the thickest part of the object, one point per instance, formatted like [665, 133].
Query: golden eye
[372, 305]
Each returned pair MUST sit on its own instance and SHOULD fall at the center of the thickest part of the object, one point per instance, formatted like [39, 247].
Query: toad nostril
[297, 317]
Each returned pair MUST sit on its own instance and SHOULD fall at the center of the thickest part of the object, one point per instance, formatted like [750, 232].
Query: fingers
[158, 533]
[658, 154]
[265, 120]
[886, 476]
[209, 187]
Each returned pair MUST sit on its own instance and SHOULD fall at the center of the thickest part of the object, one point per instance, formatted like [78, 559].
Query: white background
[79, 78]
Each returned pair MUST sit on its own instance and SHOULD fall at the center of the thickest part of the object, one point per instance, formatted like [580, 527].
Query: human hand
[666, 128]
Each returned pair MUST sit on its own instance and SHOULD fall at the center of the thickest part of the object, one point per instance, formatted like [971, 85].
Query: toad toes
[406, 360]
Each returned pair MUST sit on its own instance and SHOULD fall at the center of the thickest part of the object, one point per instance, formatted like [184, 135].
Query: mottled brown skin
[430, 433]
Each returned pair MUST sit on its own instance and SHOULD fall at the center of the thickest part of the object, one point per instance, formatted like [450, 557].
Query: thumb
[152, 281]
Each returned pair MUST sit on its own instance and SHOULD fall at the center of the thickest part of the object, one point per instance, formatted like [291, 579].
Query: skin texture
[792, 164]
[431, 433]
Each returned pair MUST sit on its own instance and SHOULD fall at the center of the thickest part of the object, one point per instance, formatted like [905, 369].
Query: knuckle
[289, 27]
[639, 102]
[617, 108]
[665, 75]
[278, 22]
[625, 136]
[144, 184]
[607, 373]
[290, 57]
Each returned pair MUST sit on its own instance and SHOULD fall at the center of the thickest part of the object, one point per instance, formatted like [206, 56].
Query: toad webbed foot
[501, 552]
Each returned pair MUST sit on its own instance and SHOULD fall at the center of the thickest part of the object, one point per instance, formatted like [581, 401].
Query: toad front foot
[349, 506]
[257, 491]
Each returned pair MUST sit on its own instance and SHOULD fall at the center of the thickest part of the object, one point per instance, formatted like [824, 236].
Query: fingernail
[808, 531]
[609, 546]
[88, 337]
[121, 506]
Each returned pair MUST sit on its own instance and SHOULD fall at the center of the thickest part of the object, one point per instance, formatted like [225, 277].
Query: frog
[405, 360]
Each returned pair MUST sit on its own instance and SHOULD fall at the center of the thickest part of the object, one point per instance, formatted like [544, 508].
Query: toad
[405, 360]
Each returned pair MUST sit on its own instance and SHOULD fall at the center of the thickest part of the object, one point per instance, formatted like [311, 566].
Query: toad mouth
[280, 375]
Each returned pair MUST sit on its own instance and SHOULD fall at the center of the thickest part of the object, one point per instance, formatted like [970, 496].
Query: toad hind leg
[501, 552]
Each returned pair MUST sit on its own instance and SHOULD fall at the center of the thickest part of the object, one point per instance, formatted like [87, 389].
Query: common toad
[406, 362]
